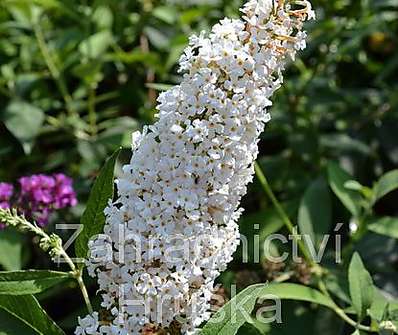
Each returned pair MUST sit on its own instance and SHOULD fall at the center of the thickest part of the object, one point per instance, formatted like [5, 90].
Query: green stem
[55, 73]
[68, 260]
[288, 223]
[340, 312]
[283, 277]
[281, 212]
[78, 275]
[83, 289]
[91, 110]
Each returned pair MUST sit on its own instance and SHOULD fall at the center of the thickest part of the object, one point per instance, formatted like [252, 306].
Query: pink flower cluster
[39, 196]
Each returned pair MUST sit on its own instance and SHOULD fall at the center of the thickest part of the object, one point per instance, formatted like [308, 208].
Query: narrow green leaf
[93, 218]
[387, 226]
[30, 282]
[231, 316]
[27, 309]
[361, 286]
[337, 180]
[24, 121]
[386, 184]
[315, 212]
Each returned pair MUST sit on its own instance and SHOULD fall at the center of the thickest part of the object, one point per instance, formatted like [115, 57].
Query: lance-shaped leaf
[386, 184]
[337, 180]
[93, 219]
[30, 282]
[315, 212]
[361, 286]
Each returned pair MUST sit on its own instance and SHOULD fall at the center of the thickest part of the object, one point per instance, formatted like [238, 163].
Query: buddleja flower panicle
[189, 171]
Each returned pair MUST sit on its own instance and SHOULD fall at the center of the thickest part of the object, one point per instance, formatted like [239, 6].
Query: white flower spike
[178, 199]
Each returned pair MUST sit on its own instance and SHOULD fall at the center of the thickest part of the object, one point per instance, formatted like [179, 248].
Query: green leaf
[157, 37]
[11, 244]
[250, 329]
[345, 143]
[337, 284]
[10, 325]
[103, 17]
[268, 219]
[246, 300]
[93, 218]
[166, 14]
[48, 4]
[95, 46]
[24, 121]
[361, 286]
[387, 226]
[27, 309]
[30, 282]
[386, 184]
[315, 212]
[337, 180]
[379, 306]
[117, 131]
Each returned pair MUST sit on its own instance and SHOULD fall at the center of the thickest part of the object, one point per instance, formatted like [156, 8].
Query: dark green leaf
[250, 329]
[337, 179]
[23, 120]
[28, 310]
[10, 325]
[315, 212]
[386, 184]
[117, 131]
[30, 282]
[93, 218]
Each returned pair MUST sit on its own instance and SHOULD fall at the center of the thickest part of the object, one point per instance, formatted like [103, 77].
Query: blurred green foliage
[78, 76]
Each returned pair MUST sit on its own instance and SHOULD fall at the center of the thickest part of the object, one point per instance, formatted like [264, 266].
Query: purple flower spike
[64, 195]
[6, 191]
[42, 194]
